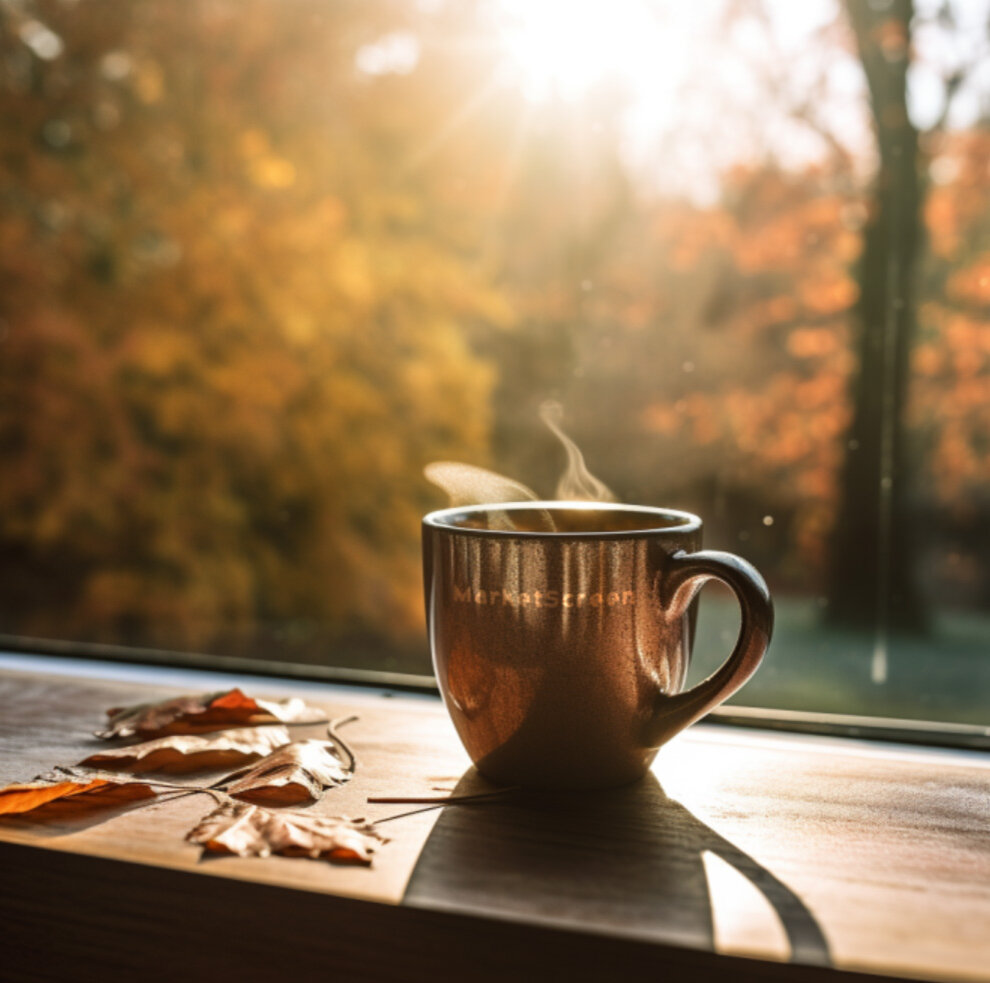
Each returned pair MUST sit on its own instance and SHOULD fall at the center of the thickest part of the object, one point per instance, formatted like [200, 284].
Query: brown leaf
[294, 773]
[181, 753]
[250, 831]
[196, 714]
[27, 796]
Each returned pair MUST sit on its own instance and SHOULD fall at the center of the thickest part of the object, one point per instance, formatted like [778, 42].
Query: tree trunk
[872, 578]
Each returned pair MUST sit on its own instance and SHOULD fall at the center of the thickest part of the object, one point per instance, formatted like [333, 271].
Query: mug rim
[441, 519]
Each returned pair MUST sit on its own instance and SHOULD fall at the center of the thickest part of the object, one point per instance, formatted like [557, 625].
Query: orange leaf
[27, 796]
[291, 774]
[190, 753]
[202, 712]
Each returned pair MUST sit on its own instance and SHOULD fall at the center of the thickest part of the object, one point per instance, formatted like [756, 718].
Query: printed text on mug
[543, 598]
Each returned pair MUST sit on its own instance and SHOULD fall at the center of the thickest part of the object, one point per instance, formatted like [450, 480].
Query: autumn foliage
[248, 290]
[232, 332]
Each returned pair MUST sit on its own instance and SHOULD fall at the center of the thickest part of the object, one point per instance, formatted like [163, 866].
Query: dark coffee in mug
[561, 635]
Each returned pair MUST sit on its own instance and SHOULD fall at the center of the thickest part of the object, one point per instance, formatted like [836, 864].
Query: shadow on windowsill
[628, 859]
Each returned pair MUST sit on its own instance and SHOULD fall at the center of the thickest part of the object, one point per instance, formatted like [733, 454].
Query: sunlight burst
[562, 49]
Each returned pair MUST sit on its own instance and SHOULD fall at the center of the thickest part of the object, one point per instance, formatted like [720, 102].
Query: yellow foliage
[149, 82]
[225, 377]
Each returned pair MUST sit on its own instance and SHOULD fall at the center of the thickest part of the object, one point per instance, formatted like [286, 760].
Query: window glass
[262, 261]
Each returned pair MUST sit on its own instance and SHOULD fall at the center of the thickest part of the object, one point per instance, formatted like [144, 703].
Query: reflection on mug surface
[562, 654]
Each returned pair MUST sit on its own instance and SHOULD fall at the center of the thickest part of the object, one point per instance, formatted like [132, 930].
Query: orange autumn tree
[737, 331]
[949, 409]
[774, 339]
[714, 355]
[233, 319]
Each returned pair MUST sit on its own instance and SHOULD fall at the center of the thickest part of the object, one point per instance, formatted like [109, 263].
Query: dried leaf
[180, 753]
[197, 714]
[27, 796]
[294, 773]
[250, 831]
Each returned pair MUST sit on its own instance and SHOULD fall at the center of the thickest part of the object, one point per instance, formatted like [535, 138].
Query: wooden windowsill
[744, 855]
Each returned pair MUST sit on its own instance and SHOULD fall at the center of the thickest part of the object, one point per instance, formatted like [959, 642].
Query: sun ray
[513, 162]
[469, 108]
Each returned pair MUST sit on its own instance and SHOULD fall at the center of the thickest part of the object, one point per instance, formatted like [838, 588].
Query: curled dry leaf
[204, 712]
[294, 773]
[27, 796]
[250, 831]
[186, 752]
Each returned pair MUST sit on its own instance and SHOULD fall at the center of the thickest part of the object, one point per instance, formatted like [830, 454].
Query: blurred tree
[949, 402]
[873, 577]
[747, 337]
[234, 317]
[874, 571]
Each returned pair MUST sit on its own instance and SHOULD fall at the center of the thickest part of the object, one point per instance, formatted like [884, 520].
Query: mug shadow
[628, 857]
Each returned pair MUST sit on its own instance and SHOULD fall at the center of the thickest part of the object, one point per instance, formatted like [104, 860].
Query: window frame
[926, 733]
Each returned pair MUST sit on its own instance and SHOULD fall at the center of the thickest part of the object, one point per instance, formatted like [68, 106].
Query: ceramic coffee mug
[561, 635]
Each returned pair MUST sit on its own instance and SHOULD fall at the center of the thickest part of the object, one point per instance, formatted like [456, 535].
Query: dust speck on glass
[261, 264]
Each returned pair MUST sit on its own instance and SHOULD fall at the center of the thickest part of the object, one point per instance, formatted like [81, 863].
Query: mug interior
[563, 518]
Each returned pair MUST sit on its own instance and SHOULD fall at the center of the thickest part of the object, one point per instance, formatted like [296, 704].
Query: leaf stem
[133, 780]
[411, 812]
[441, 799]
[436, 803]
[335, 737]
[174, 793]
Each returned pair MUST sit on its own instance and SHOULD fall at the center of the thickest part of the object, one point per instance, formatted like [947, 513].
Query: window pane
[261, 261]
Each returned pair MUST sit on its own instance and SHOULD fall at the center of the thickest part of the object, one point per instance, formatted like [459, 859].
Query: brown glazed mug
[561, 635]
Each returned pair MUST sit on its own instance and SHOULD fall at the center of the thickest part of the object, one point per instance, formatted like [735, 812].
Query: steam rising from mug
[470, 485]
[577, 483]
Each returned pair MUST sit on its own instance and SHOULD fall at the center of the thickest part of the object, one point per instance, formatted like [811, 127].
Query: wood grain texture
[797, 850]
[123, 921]
[45, 721]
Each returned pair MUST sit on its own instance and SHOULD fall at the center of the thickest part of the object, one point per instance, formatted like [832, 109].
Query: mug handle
[685, 575]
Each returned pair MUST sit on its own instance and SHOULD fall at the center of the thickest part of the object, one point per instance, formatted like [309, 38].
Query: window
[262, 261]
